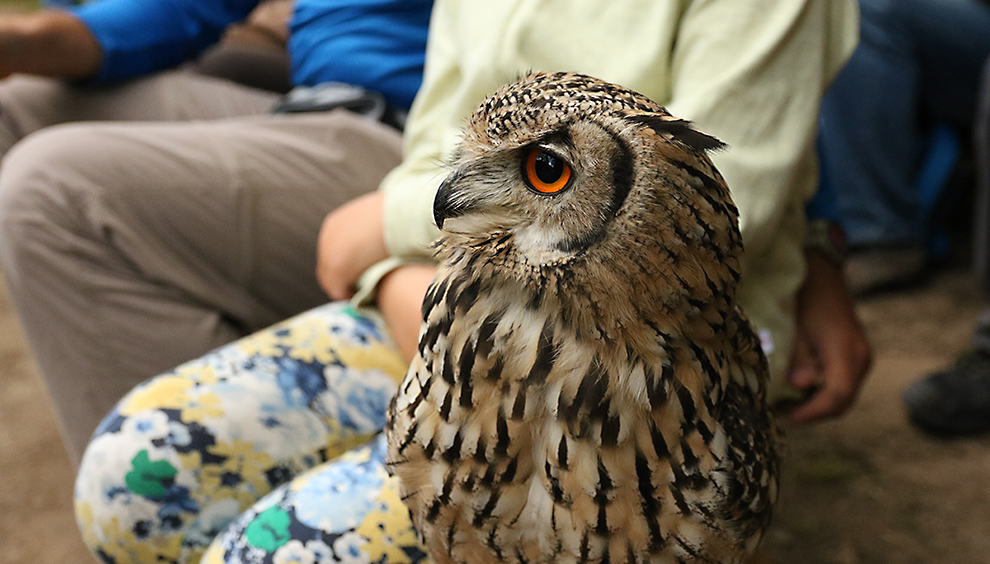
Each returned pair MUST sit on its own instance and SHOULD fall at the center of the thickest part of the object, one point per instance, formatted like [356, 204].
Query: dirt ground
[865, 489]
[869, 488]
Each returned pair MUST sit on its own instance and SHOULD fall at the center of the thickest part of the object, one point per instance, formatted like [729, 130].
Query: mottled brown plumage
[586, 388]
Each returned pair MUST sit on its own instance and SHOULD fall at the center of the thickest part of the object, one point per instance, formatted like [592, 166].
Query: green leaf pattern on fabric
[147, 478]
[269, 530]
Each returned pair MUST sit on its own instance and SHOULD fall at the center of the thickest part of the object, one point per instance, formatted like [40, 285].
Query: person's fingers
[351, 240]
[329, 270]
[844, 364]
[829, 401]
[805, 370]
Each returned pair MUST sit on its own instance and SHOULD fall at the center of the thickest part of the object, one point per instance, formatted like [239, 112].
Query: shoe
[954, 401]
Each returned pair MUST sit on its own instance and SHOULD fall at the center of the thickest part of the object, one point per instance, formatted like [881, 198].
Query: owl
[586, 388]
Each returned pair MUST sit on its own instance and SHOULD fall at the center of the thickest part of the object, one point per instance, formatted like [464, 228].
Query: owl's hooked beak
[446, 205]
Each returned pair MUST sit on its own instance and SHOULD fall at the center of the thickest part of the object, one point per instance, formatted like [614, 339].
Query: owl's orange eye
[545, 172]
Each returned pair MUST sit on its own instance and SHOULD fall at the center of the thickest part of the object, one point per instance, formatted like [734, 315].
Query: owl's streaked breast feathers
[586, 389]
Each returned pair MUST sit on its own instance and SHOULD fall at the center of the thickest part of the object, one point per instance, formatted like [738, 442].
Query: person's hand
[831, 354]
[351, 240]
[9, 45]
[51, 43]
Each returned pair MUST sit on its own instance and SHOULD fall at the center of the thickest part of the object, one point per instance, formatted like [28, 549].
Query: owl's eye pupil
[545, 172]
[548, 168]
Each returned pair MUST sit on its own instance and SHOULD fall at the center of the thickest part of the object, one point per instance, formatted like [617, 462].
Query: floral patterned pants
[248, 454]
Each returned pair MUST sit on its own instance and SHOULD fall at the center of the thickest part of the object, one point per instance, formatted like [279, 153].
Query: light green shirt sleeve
[433, 125]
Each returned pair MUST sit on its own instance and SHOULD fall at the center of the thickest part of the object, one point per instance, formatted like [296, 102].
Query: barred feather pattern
[586, 397]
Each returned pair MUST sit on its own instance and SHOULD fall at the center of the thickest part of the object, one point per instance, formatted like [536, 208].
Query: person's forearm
[400, 299]
[47, 43]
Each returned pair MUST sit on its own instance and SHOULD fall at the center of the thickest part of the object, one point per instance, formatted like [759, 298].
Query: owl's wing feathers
[753, 441]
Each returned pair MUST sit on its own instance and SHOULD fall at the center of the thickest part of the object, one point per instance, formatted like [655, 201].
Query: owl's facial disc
[554, 196]
[577, 179]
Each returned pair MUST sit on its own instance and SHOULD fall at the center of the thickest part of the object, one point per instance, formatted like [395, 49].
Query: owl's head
[562, 168]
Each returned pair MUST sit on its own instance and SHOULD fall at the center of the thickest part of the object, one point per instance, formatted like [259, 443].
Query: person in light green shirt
[749, 72]
[188, 453]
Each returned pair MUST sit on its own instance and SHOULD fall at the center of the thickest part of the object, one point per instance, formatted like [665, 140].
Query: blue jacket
[378, 44]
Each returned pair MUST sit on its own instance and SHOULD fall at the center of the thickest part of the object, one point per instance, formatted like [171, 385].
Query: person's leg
[870, 141]
[347, 510]
[185, 453]
[952, 41]
[956, 399]
[129, 248]
[28, 104]
[917, 63]
[981, 150]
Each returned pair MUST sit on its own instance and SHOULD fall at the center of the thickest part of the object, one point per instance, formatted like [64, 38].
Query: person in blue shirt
[149, 215]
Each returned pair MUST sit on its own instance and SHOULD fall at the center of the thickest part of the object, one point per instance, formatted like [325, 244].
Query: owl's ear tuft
[680, 129]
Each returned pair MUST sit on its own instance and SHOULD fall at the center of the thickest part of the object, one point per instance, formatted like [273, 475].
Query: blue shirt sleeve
[142, 36]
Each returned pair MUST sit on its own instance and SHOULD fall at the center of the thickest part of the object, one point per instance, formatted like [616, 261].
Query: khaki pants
[132, 246]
